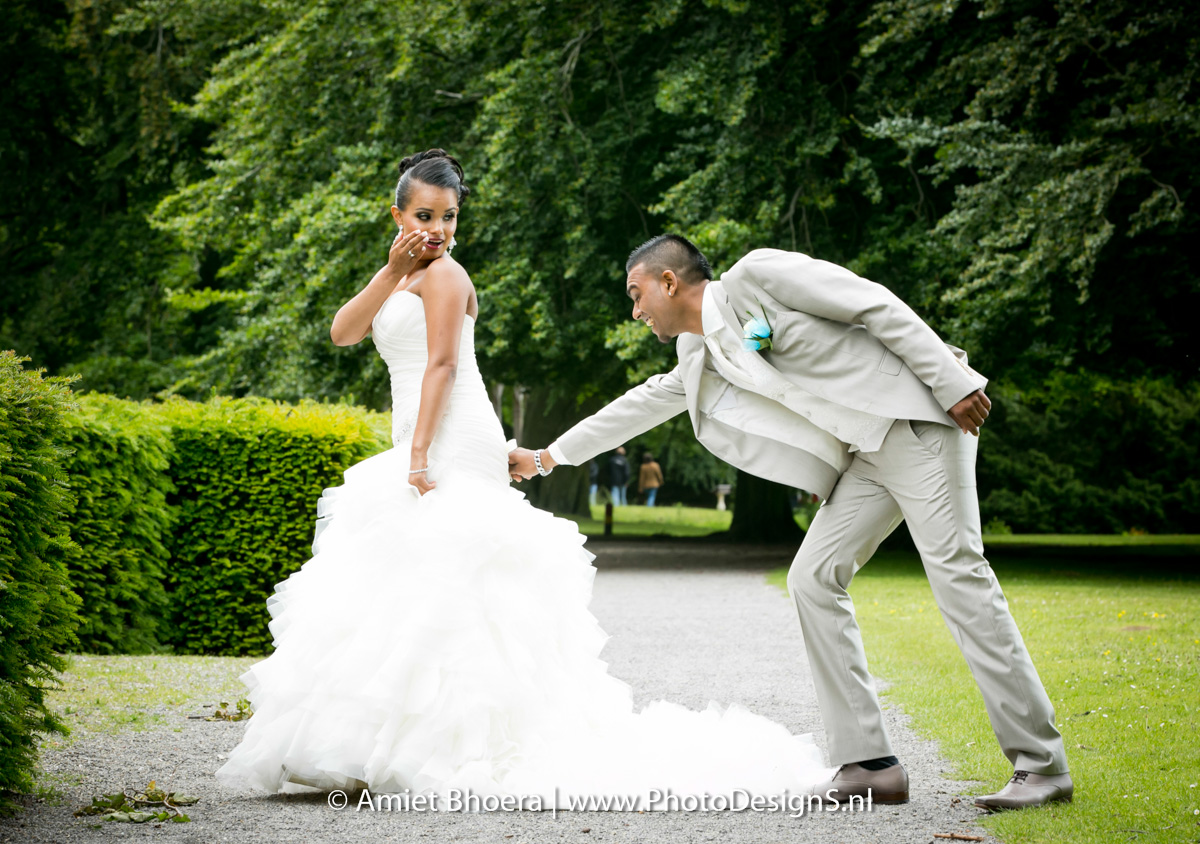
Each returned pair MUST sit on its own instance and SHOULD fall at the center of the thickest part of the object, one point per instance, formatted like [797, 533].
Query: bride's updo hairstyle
[434, 167]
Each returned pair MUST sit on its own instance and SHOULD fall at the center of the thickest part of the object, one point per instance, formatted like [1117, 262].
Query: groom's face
[654, 302]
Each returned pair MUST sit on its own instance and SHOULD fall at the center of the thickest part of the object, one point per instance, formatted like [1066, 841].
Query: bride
[439, 639]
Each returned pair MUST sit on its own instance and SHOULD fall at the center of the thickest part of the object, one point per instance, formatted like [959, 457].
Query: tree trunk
[565, 490]
[762, 512]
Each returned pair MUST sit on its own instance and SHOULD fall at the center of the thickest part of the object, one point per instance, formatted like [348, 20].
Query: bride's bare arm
[352, 322]
[446, 292]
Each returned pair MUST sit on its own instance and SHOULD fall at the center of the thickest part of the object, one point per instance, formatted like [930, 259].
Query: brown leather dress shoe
[1026, 789]
[889, 785]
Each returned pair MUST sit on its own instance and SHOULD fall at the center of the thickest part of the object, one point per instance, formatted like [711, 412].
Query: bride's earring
[453, 243]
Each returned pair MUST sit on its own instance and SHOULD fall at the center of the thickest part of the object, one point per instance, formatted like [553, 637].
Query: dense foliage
[182, 516]
[120, 522]
[90, 140]
[1067, 130]
[247, 476]
[211, 182]
[1142, 473]
[37, 608]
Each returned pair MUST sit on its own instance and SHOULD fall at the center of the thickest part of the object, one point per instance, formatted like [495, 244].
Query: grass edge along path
[678, 520]
[1117, 647]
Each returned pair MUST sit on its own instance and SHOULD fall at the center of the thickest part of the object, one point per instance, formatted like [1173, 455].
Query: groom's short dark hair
[672, 252]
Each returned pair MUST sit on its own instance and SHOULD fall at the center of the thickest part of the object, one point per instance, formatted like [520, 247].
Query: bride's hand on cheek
[406, 251]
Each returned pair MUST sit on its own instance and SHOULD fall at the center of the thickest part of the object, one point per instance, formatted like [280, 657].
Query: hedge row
[134, 527]
[37, 607]
[121, 521]
[247, 477]
[184, 515]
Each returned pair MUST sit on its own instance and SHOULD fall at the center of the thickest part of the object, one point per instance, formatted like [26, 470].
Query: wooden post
[608, 510]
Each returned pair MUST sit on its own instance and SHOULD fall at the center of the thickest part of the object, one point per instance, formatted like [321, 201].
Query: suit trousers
[923, 473]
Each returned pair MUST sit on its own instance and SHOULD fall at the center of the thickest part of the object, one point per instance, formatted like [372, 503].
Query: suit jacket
[836, 335]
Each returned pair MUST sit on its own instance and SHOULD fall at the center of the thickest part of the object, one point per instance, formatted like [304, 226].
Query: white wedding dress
[444, 642]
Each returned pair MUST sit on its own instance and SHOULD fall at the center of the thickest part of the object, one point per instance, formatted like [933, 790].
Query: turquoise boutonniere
[757, 336]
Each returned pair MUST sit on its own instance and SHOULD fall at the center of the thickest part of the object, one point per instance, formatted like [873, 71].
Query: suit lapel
[726, 309]
[691, 352]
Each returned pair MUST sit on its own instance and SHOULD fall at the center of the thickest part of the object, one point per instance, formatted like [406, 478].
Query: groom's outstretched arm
[650, 403]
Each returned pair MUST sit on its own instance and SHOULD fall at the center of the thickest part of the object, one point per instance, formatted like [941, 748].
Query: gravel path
[689, 622]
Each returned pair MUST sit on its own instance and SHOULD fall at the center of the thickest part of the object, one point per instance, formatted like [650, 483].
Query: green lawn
[115, 694]
[667, 520]
[1117, 645]
[671, 520]
[677, 520]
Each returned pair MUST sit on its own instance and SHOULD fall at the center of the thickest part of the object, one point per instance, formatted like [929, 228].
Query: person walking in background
[650, 478]
[593, 482]
[618, 476]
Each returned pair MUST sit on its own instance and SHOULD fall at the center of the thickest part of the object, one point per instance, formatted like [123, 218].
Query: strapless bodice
[470, 426]
[400, 336]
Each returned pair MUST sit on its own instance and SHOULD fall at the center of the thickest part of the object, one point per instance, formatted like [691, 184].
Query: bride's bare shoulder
[448, 281]
[446, 271]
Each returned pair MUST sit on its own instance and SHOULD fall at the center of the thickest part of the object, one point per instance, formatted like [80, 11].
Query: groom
[851, 396]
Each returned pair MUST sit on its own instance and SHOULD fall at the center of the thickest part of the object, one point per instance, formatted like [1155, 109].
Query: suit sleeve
[827, 290]
[645, 406]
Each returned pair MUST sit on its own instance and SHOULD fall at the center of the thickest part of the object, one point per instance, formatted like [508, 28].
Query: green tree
[90, 141]
[1018, 170]
[1065, 131]
[583, 132]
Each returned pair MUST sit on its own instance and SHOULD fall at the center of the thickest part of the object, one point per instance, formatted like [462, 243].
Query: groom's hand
[520, 464]
[969, 413]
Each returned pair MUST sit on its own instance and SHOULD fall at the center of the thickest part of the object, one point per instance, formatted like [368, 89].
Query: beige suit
[841, 339]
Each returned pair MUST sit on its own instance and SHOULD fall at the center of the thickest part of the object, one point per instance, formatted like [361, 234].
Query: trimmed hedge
[121, 521]
[248, 474]
[37, 607]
